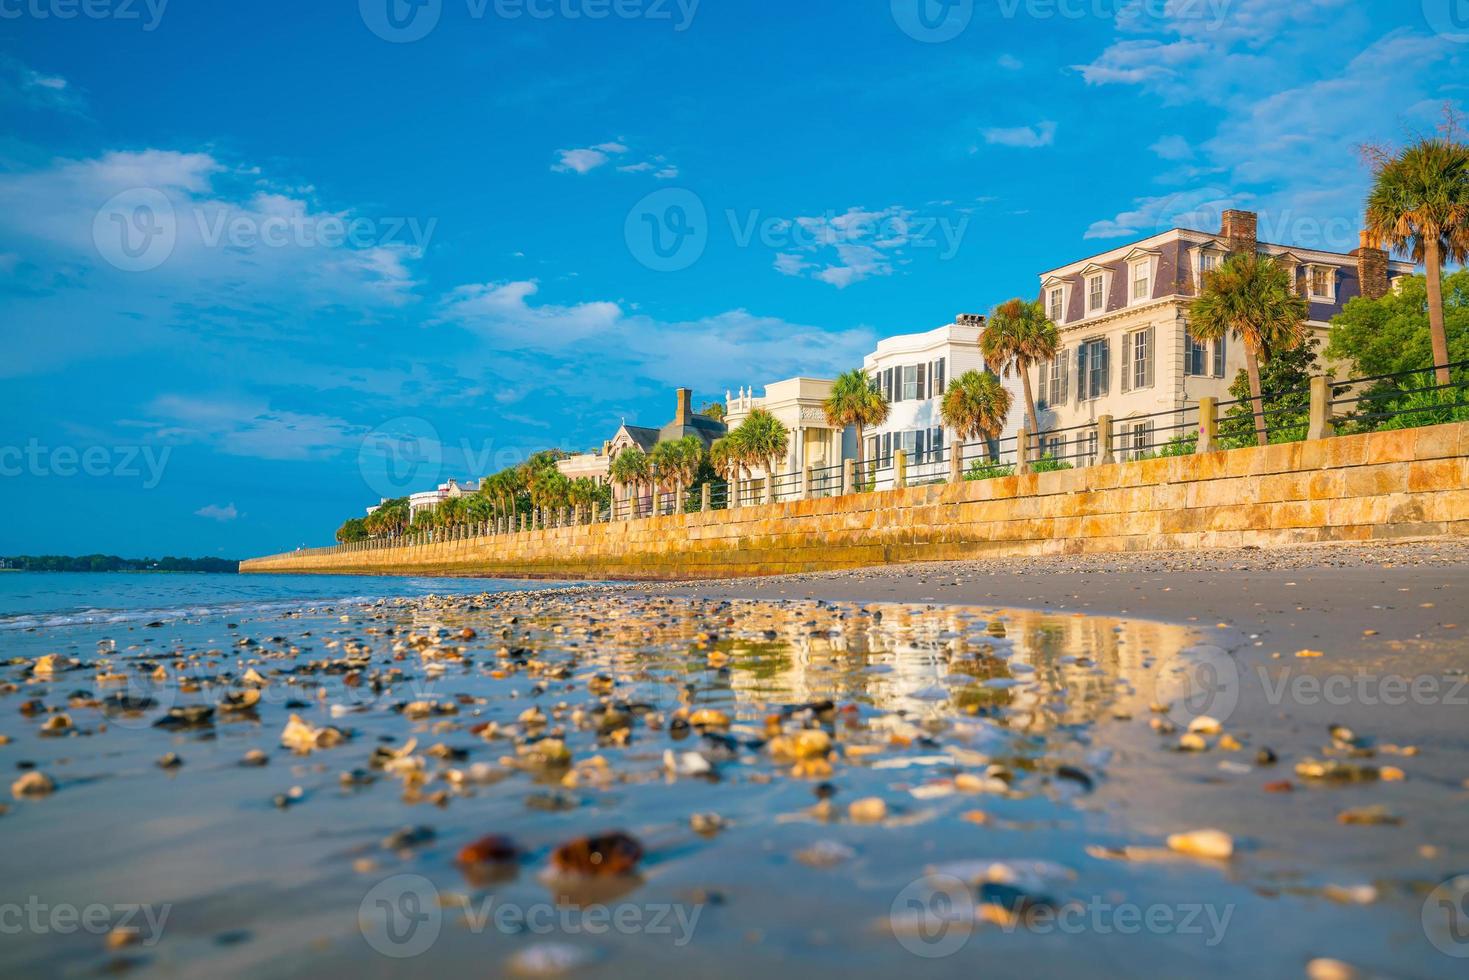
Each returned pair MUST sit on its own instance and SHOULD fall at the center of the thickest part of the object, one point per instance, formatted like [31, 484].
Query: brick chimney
[685, 414]
[969, 320]
[1240, 228]
[1372, 267]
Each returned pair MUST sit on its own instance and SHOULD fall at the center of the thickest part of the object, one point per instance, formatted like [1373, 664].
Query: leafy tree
[631, 469]
[1017, 337]
[352, 531]
[1285, 381]
[856, 401]
[975, 406]
[1393, 334]
[762, 440]
[674, 464]
[1251, 298]
[1419, 206]
[714, 410]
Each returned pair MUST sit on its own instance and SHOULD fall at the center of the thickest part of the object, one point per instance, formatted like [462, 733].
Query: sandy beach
[1103, 767]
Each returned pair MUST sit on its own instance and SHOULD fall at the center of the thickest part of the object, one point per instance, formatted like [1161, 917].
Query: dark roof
[645, 437]
[702, 427]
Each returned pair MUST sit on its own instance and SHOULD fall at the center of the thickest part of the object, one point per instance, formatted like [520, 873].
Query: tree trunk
[1257, 403]
[1435, 311]
[1035, 426]
[1030, 403]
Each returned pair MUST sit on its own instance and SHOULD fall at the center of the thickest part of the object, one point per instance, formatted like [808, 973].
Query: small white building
[800, 405]
[912, 371]
[430, 499]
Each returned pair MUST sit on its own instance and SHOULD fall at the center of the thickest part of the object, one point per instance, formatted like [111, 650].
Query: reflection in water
[731, 738]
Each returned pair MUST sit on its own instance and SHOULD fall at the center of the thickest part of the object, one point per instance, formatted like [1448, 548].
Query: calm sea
[57, 600]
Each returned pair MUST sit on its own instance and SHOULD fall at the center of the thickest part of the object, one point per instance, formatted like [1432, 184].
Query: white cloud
[585, 160]
[228, 225]
[580, 161]
[1010, 63]
[248, 427]
[32, 89]
[843, 248]
[1026, 137]
[215, 512]
[1173, 148]
[584, 344]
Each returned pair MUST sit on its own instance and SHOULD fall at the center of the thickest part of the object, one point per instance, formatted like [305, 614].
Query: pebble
[605, 855]
[170, 761]
[1211, 844]
[707, 824]
[825, 854]
[1369, 816]
[869, 810]
[1329, 969]
[32, 784]
[492, 849]
[255, 757]
[406, 837]
[548, 960]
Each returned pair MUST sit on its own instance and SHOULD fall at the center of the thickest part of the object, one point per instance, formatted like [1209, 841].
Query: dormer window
[1055, 304]
[1095, 295]
[1323, 282]
[1142, 281]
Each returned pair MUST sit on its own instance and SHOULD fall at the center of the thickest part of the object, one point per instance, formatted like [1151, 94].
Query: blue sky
[262, 263]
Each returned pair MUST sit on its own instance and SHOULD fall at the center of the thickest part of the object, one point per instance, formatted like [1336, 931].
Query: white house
[799, 404]
[912, 372]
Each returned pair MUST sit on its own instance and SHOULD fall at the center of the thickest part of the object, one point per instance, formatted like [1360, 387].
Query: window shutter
[922, 373]
[1065, 371]
[1127, 362]
[1044, 386]
[887, 445]
[920, 445]
[936, 442]
[1106, 371]
[1219, 358]
[1081, 384]
[1152, 355]
[943, 381]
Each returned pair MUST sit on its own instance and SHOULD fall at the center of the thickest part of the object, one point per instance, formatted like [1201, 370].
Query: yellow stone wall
[1411, 483]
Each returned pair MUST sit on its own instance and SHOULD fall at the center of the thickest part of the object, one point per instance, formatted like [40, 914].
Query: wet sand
[1028, 761]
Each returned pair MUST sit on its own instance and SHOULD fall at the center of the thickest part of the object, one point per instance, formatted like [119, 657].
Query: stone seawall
[1410, 483]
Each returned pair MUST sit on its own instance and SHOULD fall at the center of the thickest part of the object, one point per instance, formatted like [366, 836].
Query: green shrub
[1049, 464]
[983, 469]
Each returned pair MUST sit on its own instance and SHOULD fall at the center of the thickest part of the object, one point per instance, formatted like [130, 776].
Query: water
[918, 703]
[52, 600]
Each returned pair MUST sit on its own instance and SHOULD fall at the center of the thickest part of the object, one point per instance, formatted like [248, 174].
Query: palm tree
[856, 401]
[630, 469]
[724, 458]
[678, 465]
[1250, 297]
[975, 407]
[1419, 205]
[1017, 337]
[763, 439]
[584, 492]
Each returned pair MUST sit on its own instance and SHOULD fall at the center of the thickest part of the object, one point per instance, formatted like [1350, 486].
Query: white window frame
[1101, 306]
[905, 386]
[1056, 304]
[1331, 277]
[1139, 271]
